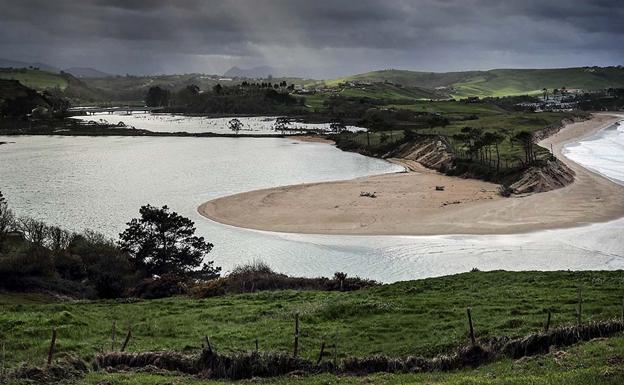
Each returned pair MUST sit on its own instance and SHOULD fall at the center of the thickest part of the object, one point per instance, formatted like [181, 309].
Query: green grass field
[39, 80]
[424, 317]
[452, 108]
[388, 91]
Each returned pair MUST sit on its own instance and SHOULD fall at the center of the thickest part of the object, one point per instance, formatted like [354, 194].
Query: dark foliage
[163, 242]
[17, 100]
[246, 98]
[611, 99]
[260, 277]
[107, 268]
[35, 256]
[159, 287]
[157, 97]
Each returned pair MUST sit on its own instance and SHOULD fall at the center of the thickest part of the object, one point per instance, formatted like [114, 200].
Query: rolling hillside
[71, 87]
[391, 91]
[39, 80]
[499, 82]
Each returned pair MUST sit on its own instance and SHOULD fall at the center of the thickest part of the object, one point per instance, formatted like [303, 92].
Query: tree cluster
[159, 245]
[247, 98]
[157, 97]
[611, 99]
[484, 146]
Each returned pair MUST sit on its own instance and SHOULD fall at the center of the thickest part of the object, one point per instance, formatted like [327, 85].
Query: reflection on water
[101, 182]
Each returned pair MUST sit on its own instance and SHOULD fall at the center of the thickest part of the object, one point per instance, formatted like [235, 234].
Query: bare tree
[34, 231]
[7, 219]
[58, 238]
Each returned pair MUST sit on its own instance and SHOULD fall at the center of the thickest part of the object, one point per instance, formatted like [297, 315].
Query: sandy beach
[409, 204]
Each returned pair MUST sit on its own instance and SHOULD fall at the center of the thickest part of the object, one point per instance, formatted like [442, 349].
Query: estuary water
[100, 183]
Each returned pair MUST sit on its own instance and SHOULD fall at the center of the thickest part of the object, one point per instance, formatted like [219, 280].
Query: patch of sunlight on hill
[39, 80]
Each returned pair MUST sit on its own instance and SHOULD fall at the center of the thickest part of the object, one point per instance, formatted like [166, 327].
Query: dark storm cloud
[317, 38]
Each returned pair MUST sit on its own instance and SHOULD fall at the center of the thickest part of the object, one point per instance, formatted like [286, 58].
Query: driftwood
[51, 350]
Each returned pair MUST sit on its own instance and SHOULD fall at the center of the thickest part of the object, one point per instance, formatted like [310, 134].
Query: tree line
[246, 98]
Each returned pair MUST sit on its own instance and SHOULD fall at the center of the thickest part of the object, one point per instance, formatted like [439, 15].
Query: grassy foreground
[423, 317]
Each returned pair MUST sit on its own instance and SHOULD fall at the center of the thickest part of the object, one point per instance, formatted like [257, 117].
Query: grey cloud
[320, 38]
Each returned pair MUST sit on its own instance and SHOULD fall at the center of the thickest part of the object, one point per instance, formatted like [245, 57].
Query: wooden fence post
[208, 345]
[113, 335]
[622, 309]
[256, 345]
[547, 326]
[320, 357]
[51, 350]
[296, 349]
[125, 344]
[472, 336]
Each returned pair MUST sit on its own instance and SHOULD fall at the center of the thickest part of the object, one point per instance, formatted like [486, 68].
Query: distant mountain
[86, 72]
[7, 63]
[255, 72]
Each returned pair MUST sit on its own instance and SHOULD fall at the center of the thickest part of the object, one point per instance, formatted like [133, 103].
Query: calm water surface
[99, 183]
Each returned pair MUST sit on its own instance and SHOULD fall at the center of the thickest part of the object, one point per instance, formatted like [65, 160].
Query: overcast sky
[312, 38]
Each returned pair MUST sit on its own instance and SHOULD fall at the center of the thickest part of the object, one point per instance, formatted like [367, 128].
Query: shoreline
[408, 203]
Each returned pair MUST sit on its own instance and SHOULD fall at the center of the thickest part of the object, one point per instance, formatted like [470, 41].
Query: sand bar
[409, 204]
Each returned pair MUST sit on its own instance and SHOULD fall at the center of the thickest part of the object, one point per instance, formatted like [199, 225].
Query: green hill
[70, 86]
[391, 91]
[36, 79]
[498, 82]
[428, 80]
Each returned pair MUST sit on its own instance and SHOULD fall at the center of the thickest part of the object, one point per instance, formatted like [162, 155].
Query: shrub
[258, 276]
[214, 288]
[160, 287]
[70, 266]
[19, 264]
